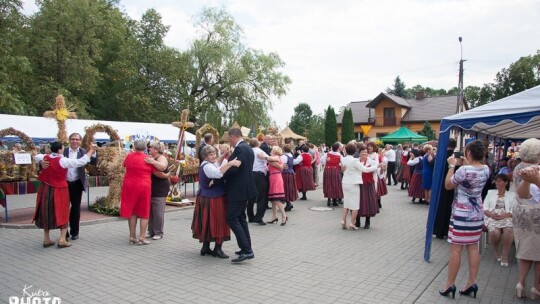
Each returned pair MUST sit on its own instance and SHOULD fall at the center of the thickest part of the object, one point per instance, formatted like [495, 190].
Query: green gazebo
[403, 135]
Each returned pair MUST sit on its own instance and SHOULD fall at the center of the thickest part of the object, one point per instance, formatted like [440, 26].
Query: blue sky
[348, 50]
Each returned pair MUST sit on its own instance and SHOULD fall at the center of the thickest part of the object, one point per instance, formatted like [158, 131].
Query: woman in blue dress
[427, 171]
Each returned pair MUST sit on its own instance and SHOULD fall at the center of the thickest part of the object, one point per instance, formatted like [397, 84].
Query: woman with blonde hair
[276, 191]
[159, 191]
[427, 171]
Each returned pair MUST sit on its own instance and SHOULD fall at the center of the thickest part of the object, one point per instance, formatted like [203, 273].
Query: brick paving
[310, 260]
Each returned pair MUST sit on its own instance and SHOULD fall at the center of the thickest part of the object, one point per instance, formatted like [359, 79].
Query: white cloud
[344, 50]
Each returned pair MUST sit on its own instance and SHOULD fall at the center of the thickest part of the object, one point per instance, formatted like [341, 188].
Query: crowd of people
[237, 182]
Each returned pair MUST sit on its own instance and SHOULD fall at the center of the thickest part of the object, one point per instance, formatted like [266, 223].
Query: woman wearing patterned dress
[382, 190]
[332, 175]
[467, 215]
[498, 217]
[415, 188]
[209, 222]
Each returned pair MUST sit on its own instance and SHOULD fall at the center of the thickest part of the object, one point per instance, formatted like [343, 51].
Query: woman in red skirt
[368, 193]
[382, 190]
[210, 215]
[404, 172]
[289, 177]
[304, 172]
[415, 189]
[332, 187]
[52, 202]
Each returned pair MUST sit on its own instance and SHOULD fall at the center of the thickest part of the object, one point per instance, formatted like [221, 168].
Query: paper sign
[22, 158]
[245, 131]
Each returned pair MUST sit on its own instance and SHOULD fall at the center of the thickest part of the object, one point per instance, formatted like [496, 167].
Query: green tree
[398, 88]
[330, 127]
[347, 126]
[15, 69]
[316, 130]
[225, 76]
[428, 131]
[301, 119]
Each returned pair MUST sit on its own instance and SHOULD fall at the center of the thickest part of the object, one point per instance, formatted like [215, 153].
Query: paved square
[310, 260]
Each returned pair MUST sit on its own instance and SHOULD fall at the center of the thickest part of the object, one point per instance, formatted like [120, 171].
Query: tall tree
[316, 129]
[225, 76]
[15, 68]
[347, 126]
[330, 127]
[398, 88]
[428, 131]
[301, 119]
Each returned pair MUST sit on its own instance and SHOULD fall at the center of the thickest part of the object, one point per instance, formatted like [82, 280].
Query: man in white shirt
[390, 172]
[76, 178]
[260, 168]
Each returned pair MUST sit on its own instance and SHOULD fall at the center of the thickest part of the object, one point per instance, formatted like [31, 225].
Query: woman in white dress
[498, 217]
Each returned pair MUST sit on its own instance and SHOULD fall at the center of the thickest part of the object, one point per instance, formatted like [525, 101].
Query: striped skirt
[332, 183]
[415, 188]
[462, 232]
[210, 220]
[404, 174]
[52, 207]
[382, 190]
[289, 186]
[304, 179]
[368, 200]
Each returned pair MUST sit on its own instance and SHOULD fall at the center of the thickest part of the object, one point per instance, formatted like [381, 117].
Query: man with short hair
[266, 146]
[260, 170]
[240, 188]
[208, 140]
[390, 171]
[76, 178]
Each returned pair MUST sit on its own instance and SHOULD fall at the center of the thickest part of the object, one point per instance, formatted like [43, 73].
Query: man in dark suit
[76, 179]
[266, 145]
[240, 188]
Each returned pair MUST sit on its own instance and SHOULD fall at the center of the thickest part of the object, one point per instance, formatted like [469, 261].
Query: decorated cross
[61, 114]
[183, 124]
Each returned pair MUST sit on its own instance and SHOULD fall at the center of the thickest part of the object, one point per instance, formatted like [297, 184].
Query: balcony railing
[385, 121]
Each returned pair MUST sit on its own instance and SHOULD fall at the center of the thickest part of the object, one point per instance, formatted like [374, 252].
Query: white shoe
[157, 237]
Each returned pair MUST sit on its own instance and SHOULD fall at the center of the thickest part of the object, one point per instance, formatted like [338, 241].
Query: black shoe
[242, 257]
[250, 221]
[206, 250]
[335, 204]
[219, 253]
[272, 221]
[451, 289]
[239, 252]
[75, 237]
[262, 223]
[473, 288]
[289, 207]
[328, 202]
[303, 198]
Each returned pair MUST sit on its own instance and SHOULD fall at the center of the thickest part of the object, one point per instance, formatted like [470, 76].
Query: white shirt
[391, 155]
[259, 165]
[211, 170]
[66, 162]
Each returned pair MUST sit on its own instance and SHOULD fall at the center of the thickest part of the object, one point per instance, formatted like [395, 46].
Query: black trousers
[236, 218]
[261, 182]
[390, 172]
[76, 189]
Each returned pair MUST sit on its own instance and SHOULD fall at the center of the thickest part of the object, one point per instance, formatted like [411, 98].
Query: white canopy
[45, 129]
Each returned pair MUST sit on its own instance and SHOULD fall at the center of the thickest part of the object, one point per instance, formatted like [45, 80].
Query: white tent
[45, 129]
[512, 117]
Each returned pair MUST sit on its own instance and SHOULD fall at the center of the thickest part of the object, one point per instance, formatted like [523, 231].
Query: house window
[389, 117]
